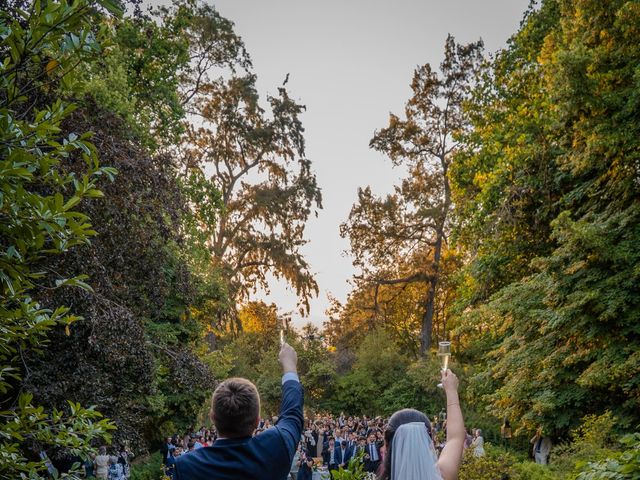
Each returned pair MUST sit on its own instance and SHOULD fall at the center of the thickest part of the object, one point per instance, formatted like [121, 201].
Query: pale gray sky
[351, 62]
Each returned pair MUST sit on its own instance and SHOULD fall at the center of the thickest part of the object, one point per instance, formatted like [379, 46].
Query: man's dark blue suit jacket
[266, 456]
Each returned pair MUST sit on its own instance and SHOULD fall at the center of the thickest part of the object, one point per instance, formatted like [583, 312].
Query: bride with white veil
[410, 453]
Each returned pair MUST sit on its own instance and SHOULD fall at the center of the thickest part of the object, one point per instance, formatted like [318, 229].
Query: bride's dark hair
[406, 415]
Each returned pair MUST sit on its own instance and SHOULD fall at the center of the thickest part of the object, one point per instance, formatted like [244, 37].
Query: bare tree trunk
[427, 317]
[436, 323]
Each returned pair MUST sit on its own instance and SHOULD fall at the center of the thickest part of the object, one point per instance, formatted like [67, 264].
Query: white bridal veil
[413, 455]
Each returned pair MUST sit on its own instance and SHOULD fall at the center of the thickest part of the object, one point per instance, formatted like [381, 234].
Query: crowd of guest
[335, 441]
[108, 464]
[177, 445]
[327, 440]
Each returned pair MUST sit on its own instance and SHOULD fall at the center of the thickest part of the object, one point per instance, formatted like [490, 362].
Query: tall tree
[562, 328]
[268, 189]
[505, 181]
[142, 327]
[400, 239]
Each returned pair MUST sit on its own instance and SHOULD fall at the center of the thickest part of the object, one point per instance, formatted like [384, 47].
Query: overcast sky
[351, 62]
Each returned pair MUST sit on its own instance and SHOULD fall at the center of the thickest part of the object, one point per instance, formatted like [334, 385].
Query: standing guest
[331, 456]
[305, 470]
[166, 449]
[468, 439]
[102, 464]
[170, 468]
[123, 459]
[541, 447]
[321, 443]
[198, 443]
[115, 469]
[478, 444]
[410, 454]
[311, 438]
[345, 454]
[89, 466]
[295, 464]
[362, 447]
[437, 426]
[341, 420]
[505, 431]
[372, 455]
[352, 443]
[235, 411]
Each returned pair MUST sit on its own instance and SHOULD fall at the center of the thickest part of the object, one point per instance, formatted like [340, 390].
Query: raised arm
[451, 456]
[291, 418]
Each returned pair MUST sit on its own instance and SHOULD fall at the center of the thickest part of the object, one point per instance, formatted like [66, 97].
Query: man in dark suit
[166, 449]
[331, 455]
[371, 455]
[352, 443]
[236, 455]
[345, 454]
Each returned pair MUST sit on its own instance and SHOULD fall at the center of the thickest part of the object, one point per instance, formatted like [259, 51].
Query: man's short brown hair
[235, 407]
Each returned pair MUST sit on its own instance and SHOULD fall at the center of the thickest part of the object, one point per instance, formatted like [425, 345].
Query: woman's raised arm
[451, 456]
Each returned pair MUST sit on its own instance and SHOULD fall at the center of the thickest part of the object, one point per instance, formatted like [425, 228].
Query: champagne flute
[281, 337]
[444, 352]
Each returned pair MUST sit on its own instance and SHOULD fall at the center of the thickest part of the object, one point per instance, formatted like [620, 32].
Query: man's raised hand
[288, 358]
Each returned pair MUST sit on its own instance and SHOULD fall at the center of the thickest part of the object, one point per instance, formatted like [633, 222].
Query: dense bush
[40, 219]
[497, 464]
[528, 470]
[625, 465]
[149, 468]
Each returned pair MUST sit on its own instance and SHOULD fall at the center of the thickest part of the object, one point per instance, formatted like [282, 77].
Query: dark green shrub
[150, 468]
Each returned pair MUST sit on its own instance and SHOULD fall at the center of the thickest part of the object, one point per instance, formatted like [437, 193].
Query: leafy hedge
[149, 468]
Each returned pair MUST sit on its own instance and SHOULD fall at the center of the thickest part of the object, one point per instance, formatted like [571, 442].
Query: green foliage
[354, 470]
[268, 188]
[155, 64]
[39, 219]
[593, 441]
[30, 429]
[625, 465]
[316, 367]
[355, 392]
[528, 470]
[547, 205]
[588, 457]
[254, 355]
[149, 469]
[148, 322]
[382, 381]
[495, 465]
